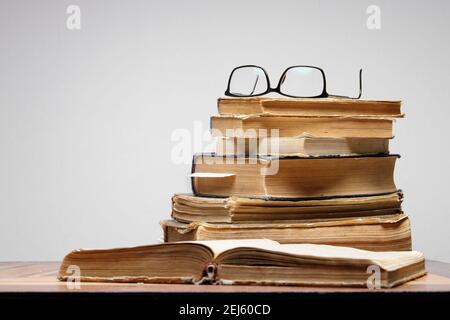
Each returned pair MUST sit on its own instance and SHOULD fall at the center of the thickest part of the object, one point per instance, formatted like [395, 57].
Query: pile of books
[312, 171]
[298, 192]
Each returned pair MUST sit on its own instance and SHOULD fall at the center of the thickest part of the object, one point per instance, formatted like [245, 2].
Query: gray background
[86, 116]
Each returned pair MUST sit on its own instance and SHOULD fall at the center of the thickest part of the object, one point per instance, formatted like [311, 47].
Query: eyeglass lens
[248, 81]
[302, 82]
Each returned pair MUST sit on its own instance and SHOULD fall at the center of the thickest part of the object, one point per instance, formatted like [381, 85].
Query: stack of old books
[295, 190]
[315, 171]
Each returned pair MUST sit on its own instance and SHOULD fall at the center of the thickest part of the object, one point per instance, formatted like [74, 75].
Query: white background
[86, 116]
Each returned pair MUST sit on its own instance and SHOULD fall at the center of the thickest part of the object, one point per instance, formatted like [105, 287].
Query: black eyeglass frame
[277, 89]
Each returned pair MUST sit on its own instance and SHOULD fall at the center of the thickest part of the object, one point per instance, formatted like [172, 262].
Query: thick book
[190, 208]
[261, 262]
[301, 146]
[310, 107]
[292, 177]
[255, 126]
[376, 233]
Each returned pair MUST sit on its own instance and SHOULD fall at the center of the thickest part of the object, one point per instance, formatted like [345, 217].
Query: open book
[244, 262]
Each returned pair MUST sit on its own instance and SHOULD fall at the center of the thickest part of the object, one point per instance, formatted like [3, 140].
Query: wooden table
[41, 277]
[37, 280]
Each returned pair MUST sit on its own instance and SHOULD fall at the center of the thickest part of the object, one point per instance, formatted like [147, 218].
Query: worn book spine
[309, 107]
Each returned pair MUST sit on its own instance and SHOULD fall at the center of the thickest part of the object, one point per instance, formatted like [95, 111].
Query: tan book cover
[376, 233]
[191, 208]
[255, 126]
[292, 177]
[329, 107]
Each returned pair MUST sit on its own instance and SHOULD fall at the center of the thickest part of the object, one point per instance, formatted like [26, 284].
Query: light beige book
[376, 233]
[190, 208]
[255, 126]
[292, 177]
[328, 107]
[301, 146]
[261, 262]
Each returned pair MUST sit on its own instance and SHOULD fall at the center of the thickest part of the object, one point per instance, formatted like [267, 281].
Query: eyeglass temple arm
[254, 86]
[243, 94]
[283, 79]
[360, 89]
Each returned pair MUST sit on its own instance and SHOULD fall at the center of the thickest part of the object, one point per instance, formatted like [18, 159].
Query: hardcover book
[190, 208]
[304, 107]
[252, 126]
[292, 177]
[306, 146]
[376, 233]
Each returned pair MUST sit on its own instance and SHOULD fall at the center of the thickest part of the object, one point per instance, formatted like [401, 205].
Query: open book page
[386, 260]
[219, 246]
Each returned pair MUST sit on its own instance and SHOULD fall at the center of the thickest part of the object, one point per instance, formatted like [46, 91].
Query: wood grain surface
[16, 277]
